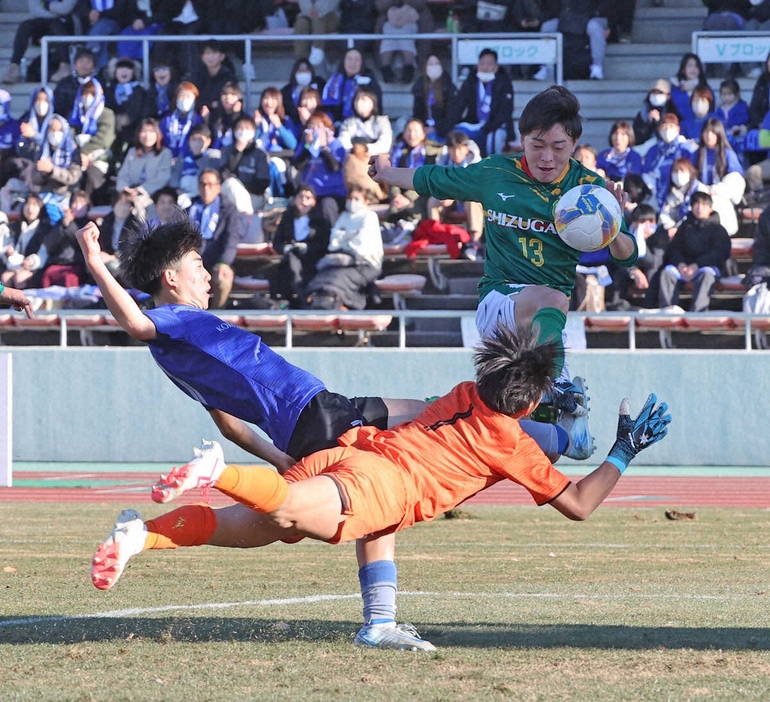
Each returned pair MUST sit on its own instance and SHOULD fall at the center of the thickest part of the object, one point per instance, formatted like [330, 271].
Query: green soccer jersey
[522, 243]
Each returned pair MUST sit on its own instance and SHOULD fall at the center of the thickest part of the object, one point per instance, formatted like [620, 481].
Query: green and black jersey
[522, 245]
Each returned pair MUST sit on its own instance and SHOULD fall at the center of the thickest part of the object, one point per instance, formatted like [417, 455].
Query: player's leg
[400, 411]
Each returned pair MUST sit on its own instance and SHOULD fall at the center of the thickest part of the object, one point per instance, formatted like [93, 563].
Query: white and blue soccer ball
[587, 217]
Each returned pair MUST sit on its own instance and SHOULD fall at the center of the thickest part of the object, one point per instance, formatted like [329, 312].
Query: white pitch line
[136, 611]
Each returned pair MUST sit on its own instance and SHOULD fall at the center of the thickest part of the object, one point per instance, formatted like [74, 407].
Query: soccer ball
[587, 217]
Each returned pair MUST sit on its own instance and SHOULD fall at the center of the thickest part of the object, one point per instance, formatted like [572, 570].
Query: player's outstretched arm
[120, 303]
[381, 171]
[17, 299]
[650, 426]
[241, 434]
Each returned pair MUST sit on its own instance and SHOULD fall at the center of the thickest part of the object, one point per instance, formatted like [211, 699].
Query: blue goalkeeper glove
[636, 434]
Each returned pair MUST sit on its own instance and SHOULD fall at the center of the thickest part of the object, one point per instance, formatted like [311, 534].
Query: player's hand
[649, 427]
[88, 238]
[18, 300]
[377, 165]
[617, 191]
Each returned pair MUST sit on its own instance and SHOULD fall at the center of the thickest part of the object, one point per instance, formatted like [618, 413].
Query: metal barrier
[512, 48]
[731, 47]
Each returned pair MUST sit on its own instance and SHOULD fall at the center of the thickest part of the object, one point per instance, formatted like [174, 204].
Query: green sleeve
[447, 183]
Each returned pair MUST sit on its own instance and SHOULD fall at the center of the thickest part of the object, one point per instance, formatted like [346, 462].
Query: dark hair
[145, 253]
[244, 118]
[700, 196]
[732, 85]
[202, 128]
[43, 216]
[214, 45]
[165, 190]
[644, 213]
[684, 163]
[680, 74]
[514, 370]
[150, 122]
[457, 138]
[212, 171]
[623, 125]
[555, 105]
[488, 52]
[273, 92]
[638, 191]
[714, 124]
[305, 188]
[363, 91]
[232, 87]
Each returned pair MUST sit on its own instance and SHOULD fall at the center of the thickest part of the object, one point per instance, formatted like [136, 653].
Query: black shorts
[328, 416]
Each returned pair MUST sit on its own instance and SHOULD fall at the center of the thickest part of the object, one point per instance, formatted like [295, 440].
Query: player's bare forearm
[580, 499]
[118, 301]
[381, 171]
[244, 436]
[622, 247]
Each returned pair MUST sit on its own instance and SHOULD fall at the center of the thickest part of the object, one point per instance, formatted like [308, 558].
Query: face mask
[303, 78]
[243, 135]
[700, 108]
[657, 99]
[668, 135]
[680, 179]
[434, 72]
[41, 109]
[354, 206]
[55, 139]
[485, 76]
[185, 104]
[88, 100]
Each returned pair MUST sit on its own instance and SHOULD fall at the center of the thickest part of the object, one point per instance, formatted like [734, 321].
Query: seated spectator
[309, 102]
[433, 93]
[274, 129]
[66, 265]
[50, 169]
[697, 254]
[367, 125]
[720, 170]
[727, 15]
[396, 19]
[46, 19]
[180, 18]
[483, 107]
[142, 22]
[176, 125]
[620, 159]
[690, 75]
[26, 257]
[702, 106]
[245, 168]
[759, 105]
[657, 104]
[318, 163]
[10, 130]
[146, 167]
[637, 193]
[222, 228]
[317, 18]
[104, 18]
[93, 125]
[589, 157]
[684, 184]
[732, 111]
[459, 152]
[578, 21]
[222, 118]
[355, 171]
[668, 147]
[120, 220]
[759, 271]
[425, 25]
[69, 85]
[338, 93]
[166, 208]
[302, 76]
[126, 97]
[162, 91]
[411, 151]
[198, 156]
[301, 238]
[353, 260]
[213, 72]
[32, 128]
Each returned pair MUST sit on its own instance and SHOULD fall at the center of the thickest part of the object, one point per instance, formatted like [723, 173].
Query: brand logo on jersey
[223, 326]
[505, 197]
[512, 221]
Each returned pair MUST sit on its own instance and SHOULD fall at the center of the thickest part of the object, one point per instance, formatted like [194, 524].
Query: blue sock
[379, 584]
[546, 436]
[563, 439]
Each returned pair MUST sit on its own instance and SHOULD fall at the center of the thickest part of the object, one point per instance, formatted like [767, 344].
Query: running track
[640, 491]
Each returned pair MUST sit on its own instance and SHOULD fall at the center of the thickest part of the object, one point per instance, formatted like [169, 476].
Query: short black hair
[457, 138]
[555, 105]
[644, 213]
[513, 370]
[146, 252]
[701, 196]
[488, 52]
[165, 190]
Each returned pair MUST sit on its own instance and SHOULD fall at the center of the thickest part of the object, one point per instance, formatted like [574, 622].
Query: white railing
[512, 48]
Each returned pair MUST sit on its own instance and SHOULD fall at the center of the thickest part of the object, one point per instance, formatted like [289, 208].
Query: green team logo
[503, 219]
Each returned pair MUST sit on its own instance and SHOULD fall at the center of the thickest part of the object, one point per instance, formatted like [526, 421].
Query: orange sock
[260, 489]
[191, 525]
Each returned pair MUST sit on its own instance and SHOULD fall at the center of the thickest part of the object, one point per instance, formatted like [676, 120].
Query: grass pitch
[522, 604]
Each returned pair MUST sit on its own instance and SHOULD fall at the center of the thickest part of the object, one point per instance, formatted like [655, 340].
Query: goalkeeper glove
[650, 426]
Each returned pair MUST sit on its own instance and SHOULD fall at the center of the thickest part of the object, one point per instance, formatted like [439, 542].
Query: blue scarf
[87, 120]
[162, 101]
[484, 105]
[63, 155]
[102, 5]
[123, 91]
[39, 126]
[340, 91]
[206, 217]
[177, 129]
[415, 157]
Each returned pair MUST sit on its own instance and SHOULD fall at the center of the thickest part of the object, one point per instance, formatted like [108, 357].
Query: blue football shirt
[226, 368]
